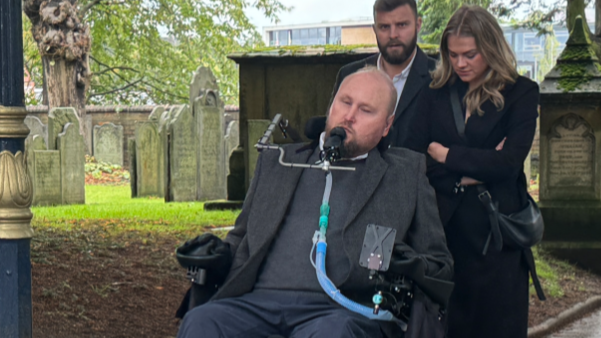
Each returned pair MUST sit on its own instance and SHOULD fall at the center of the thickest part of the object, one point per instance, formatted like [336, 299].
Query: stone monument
[232, 141]
[149, 161]
[570, 150]
[108, 143]
[57, 118]
[47, 177]
[181, 166]
[72, 147]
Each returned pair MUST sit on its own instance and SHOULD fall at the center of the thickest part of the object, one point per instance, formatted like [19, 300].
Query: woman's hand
[438, 152]
[469, 181]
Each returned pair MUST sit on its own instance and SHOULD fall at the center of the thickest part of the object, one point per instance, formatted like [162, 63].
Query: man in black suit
[271, 286]
[396, 25]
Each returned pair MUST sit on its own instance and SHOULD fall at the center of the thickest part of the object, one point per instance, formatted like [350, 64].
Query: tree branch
[129, 84]
[110, 69]
[83, 11]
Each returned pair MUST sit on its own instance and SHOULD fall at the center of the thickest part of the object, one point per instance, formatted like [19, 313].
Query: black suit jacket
[502, 171]
[419, 76]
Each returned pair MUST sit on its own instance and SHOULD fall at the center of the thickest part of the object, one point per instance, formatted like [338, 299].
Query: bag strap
[493, 216]
[532, 267]
[457, 114]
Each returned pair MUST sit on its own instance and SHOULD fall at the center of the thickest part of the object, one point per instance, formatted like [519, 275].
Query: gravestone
[256, 129]
[133, 176]
[232, 141]
[182, 143]
[570, 153]
[149, 161]
[164, 136]
[236, 190]
[36, 127]
[47, 177]
[108, 143]
[57, 119]
[211, 158]
[208, 111]
[72, 149]
[33, 143]
[203, 81]
[156, 113]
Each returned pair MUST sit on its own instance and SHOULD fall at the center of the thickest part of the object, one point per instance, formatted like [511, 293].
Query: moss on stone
[578, 53]
[429, 49]
[573, 76]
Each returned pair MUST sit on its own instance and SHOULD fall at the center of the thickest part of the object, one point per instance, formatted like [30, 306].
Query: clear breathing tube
[319, 240]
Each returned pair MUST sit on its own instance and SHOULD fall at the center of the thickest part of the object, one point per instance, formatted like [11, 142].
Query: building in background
[528, 46]
[351, 32]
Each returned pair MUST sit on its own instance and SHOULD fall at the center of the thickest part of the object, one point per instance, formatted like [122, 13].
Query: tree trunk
[598, 18]
[64, 45]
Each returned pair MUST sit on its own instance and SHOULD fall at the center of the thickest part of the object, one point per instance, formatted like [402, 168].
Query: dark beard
[397, 59]
[349, 150]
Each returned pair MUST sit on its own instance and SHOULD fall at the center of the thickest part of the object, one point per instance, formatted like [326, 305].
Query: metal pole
[16, 190]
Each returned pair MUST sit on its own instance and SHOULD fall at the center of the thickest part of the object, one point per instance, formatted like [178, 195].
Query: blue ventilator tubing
[319, 239]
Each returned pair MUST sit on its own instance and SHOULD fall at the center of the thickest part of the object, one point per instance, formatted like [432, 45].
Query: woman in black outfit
[499, 109]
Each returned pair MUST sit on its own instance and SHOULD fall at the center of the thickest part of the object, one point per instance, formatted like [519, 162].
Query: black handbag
[520, 230]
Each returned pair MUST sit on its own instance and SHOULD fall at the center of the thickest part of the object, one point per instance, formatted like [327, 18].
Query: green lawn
[112, 208]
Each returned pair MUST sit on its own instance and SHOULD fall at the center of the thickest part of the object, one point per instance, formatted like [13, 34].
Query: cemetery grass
[107, 268]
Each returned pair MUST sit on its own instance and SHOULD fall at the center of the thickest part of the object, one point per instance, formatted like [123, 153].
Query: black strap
[457, 114]
[532, 267]
[493, 216]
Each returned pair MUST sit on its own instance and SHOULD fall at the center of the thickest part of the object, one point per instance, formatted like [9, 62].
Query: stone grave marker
[33, 143]
[256, 129]
[57, 118]
[36, 127]
[182, 141]
[149, 161]
[212, 174]
[47, 177]
[236, 190]
[570, 153]
[72, 157]
[156, 113]
[203, 81]
[232, 141]
[108, 143]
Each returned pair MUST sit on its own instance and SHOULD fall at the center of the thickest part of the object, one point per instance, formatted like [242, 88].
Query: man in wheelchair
[370, 208]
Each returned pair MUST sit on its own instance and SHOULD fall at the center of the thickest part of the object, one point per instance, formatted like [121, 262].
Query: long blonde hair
[476, 22]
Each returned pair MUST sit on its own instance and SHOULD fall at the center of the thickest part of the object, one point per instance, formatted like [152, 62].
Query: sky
[315, 11]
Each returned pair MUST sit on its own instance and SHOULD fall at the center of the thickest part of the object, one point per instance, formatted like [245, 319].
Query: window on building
[509, 38]
[272, 41]
[335, 36]
[283, 38]
[532, 42]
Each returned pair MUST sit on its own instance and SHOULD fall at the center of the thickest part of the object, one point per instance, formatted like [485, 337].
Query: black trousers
[263, 313]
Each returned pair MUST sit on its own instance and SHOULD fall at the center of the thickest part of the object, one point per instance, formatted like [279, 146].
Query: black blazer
[502, 171]
[419, 76]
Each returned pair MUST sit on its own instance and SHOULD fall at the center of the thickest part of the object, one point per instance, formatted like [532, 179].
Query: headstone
[133, 178]
[232, 141]
[156, 113]
[36, 127]
[47, 177]
[256, 129]
[73, 177]
[57, 118]
[32, 144]
[203, 81]
[571, 153]
[108, 143]
[212, 174]
[236, 189]
[182, 184]
[164, 137]
[149, 161]
[570, 157]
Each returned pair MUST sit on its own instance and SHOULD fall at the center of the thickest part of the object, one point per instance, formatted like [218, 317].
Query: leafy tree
[135, 51]
[436, 14]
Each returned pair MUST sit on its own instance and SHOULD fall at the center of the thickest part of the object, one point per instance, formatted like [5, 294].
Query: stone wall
[127, 116]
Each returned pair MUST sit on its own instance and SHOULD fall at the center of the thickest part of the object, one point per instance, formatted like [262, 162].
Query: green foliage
[550, 272]
[436, 14]
[144, 51]
[96, 168]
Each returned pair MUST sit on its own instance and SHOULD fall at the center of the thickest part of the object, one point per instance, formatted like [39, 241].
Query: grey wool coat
[393, 191]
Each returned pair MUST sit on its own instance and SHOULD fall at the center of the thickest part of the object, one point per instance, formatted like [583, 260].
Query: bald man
[271, 286]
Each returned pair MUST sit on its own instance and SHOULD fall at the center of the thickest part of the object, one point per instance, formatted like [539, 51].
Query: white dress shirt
[398, 80]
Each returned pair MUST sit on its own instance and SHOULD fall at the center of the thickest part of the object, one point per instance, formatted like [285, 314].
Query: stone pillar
[570, 153]
[16, 190]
